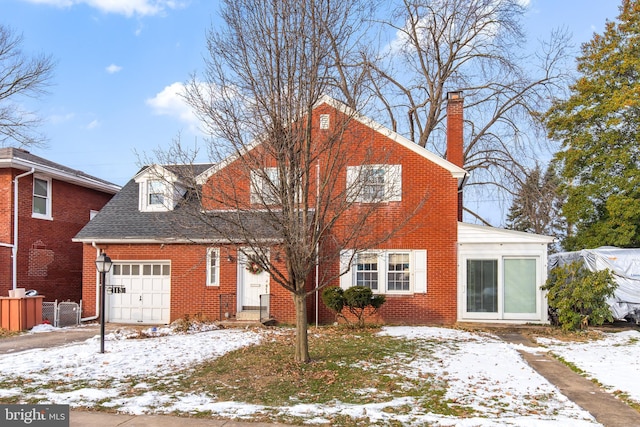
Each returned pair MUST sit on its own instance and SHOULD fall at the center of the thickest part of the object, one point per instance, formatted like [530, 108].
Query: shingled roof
[21, 159]
[121, 221]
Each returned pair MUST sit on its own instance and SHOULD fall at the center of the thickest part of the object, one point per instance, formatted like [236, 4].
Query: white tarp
[625, 266]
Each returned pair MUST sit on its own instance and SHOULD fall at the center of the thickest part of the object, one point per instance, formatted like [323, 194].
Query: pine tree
[599, 127]
[537, 205]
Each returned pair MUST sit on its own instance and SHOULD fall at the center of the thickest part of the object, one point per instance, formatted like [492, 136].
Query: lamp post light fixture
[103, 264]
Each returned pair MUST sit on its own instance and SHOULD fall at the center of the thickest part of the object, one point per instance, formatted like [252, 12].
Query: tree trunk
[302, 342]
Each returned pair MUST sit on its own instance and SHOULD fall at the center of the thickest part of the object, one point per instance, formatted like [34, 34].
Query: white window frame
[417, 270]
[379, 271]
[388, 271]
[358, 179]
[155, 188]
[47, 198]
[263, 186]
[146, 188]
[213, 272]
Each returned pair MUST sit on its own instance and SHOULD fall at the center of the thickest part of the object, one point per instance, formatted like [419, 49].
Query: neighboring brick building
[170, 265]
[53, 203]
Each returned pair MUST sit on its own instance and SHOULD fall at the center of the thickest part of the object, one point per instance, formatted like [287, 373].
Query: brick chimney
[455, 132]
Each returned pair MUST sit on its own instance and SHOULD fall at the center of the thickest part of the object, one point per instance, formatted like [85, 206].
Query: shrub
[359, 300]
[333, 298]
[579, 295]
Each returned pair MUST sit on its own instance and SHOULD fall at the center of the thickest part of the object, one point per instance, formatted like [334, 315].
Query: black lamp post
[103, 264]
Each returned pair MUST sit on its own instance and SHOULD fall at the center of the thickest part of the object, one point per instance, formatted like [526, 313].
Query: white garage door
[142, 293]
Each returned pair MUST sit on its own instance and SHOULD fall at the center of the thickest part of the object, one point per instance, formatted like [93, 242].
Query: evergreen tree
[537, 205]
[599, 127]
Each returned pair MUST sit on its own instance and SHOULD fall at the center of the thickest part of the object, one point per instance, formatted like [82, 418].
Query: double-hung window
[390, 272]
[264, 186]
[398, 272]
[41, 207]
[155, 192]
[374, 183]
[367, 270]
[213, 267]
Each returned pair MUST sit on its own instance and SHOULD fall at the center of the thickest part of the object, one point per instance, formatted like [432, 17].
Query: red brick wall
[429, 201]
[189, 292]
[48, 261]
[6, 227]
[431, 190]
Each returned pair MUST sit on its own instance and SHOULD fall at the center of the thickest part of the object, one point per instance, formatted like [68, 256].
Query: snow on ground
[480, 371]
[613, 360]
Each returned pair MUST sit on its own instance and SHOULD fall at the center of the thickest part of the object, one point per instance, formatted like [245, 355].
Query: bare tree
[478, 47]
[20, 77]
[282, 181]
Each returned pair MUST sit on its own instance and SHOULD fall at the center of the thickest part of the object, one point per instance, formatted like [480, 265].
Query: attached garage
[140, 292]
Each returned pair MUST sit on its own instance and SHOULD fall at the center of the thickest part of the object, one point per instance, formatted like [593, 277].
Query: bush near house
[359, 300]
[579, 295]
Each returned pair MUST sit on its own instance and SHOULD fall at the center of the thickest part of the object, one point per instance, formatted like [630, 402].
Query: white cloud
[60, 118]
[122, 7]
[94, 124]
[170, 102]
[113, 68]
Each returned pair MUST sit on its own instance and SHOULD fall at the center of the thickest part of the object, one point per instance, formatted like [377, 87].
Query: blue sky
[120, 64]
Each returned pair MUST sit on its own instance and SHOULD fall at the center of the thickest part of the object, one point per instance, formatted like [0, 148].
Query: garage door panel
[147, 297]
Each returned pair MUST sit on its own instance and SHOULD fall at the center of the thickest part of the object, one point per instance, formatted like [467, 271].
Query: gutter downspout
[317, 244]
[86, 319]
[14, 247]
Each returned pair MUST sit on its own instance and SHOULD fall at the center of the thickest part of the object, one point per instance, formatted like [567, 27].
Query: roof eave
[83, 181]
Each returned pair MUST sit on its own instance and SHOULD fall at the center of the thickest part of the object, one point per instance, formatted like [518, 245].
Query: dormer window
[160, 190]
[155, 192]
[154, 196]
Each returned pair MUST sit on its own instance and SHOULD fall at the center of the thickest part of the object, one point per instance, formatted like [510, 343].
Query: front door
[252, 283]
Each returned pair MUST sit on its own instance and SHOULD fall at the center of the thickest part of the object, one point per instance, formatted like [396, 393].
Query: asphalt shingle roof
[12, 153]
[121, 220]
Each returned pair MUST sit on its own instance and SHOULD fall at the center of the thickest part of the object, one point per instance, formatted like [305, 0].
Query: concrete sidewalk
[605, 408]
[101, 419]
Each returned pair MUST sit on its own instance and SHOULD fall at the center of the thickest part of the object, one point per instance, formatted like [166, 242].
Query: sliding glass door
[503, 288]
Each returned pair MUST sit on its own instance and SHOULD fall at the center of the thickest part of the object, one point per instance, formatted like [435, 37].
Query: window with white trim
[41, 206]
[264, 186]
[158, 195]
[398, 272]
[213, 267]
[155, 192]
[367, 270]
[374, 183]
[390, 272]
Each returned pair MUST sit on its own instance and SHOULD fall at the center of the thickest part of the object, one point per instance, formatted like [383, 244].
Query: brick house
[167, 266]
[43, 205]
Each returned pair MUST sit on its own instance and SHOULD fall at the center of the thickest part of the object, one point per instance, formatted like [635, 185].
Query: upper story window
[155, 192]
[159, 190]
[264, 186]
[153, 195]
[374, 183]
[41, 206]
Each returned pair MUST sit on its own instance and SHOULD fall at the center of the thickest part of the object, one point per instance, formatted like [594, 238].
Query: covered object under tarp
[625, 266]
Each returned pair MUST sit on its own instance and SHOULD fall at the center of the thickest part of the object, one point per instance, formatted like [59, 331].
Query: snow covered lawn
[480, 372]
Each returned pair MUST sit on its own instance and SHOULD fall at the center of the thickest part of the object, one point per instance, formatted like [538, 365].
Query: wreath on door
[253, 267]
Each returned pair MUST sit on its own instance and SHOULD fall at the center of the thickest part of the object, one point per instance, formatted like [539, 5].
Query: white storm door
[251, 285]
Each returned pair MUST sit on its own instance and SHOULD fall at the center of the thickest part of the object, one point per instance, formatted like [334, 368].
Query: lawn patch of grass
[352, 367]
